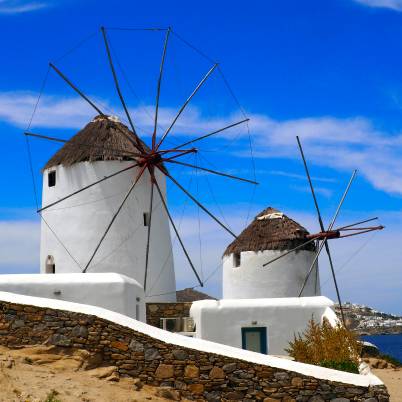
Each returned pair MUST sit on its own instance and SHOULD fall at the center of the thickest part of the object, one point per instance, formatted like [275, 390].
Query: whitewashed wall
[221, 321]
[111, 291]
[282, 278]
[80, 221]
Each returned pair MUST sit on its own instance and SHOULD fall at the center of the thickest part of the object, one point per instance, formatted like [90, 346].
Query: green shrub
[349, 366]
[327, 346]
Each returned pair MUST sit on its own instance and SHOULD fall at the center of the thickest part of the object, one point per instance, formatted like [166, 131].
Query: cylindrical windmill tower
[270, 235]
[72, 229]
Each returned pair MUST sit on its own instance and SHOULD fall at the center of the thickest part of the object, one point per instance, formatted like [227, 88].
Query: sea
[388, 344]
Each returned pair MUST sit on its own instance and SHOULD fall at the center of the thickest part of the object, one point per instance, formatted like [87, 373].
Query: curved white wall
[80, 221]
[222, 320]
[282, 278]
[111, 291]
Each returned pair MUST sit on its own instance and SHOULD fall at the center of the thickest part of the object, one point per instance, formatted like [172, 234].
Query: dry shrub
[328, 346]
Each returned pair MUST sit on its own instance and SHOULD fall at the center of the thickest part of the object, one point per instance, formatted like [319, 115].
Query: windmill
[148, 160]
[328, 233]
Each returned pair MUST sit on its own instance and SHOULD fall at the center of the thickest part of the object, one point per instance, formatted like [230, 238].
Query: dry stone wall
[195, 375]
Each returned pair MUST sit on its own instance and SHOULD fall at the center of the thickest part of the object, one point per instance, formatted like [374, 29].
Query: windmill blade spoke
[311, 184]
[200, 205]
[211, 171]
[342, 200]
[335, 281]
[86, 187]
[311, 267]
[80, 144]
[357, 223]
[213, 133]
[149, 232]
[186, 103]
[158, 90]
[288, 252]
[188, 151]
[363, 231]
[177, 232]
[76, 89]
[117, 85]
[114, 217]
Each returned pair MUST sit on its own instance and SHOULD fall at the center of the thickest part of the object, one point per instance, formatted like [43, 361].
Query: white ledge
[197, 344]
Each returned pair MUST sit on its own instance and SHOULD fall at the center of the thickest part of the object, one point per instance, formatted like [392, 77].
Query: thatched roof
[104, 138]
[270, 230]
[191, 295]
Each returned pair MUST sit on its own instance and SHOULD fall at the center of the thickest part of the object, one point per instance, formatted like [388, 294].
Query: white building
[72, 229]
[261, 310]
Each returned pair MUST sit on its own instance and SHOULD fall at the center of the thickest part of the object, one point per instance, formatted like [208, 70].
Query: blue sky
[330, 72]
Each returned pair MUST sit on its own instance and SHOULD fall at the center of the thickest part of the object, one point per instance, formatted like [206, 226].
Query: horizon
[330, 73]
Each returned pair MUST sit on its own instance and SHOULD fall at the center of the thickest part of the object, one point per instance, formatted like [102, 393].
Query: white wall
[80, 221]
[282, 278]
[112, 291]
[221, 320]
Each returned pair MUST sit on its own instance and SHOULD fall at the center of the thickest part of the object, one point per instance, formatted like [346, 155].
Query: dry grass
[325, 345]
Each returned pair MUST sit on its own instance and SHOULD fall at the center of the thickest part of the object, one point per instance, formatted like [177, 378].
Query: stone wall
[156, 311]
[194, 374]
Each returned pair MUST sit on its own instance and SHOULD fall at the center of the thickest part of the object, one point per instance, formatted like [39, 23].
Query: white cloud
[20, 6]
[391, 4]
[341, 144]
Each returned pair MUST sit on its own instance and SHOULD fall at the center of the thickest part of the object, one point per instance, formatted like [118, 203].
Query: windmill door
[255, 339]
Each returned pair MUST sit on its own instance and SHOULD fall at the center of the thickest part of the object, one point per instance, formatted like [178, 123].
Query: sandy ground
[32, 374]
[392, 378]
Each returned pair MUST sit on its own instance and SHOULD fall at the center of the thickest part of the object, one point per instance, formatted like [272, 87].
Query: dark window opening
[236, 260]
[146, 218]
[50, 265]
[51, 178]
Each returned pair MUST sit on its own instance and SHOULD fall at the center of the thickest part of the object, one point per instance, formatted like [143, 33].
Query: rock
[342, 400]
[216, 373]
[79, 331]
[118, 356]
[102, 372]
[180, 354]
[114, 377]
[168, 394]
[138, 384]
[368, 400]
[237, 396]
[196, 388]
[60, 340]
[270, 400]
[119, 345]
[281, 376]
[297, 382]
[229, 368]
[136, 346]
[316, 398]
[191, 371]
[152, 354]
[18, 324]
[164, 371]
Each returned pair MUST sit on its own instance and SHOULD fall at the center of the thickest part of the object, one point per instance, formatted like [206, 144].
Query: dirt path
[392, 378]
[34, 374]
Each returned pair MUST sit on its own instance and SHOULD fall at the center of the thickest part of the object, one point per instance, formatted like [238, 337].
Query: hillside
[368, 321]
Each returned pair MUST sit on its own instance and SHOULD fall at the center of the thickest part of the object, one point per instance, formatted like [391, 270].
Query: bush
[390, 359]
[327, 346]
[349, 366]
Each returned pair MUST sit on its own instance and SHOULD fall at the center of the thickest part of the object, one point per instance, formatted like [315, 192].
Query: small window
[51, 178]
[236, 260]
[50, 265]
[146, 218]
